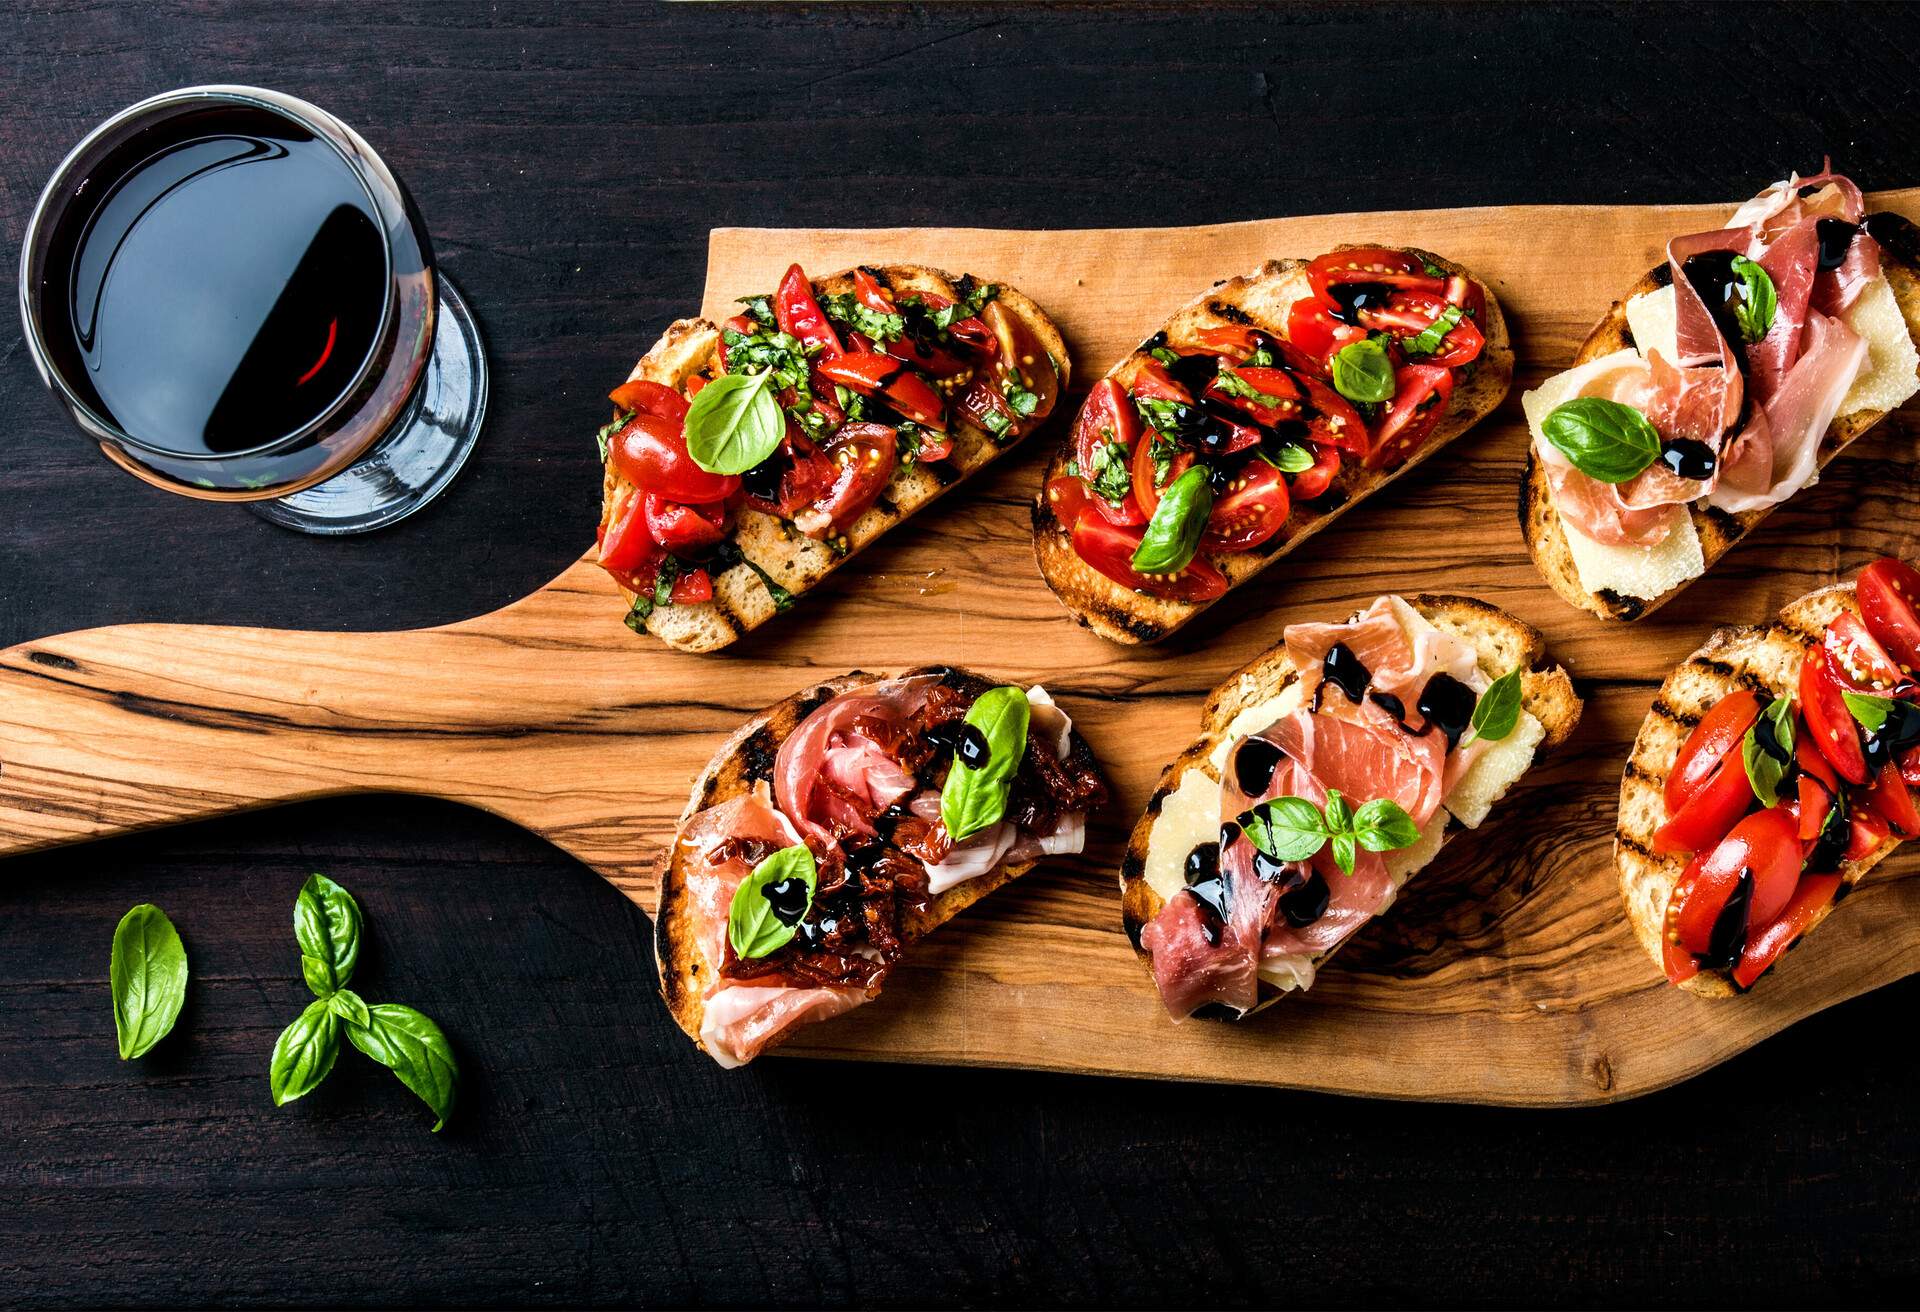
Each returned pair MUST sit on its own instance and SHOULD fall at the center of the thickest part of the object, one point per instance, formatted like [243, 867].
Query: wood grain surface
[1507, 974]
[570, 158]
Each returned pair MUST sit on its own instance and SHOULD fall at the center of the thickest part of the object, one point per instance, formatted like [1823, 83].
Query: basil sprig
[734, 423]
[1871, 712]
[1428, 339]
[1758, 303]
[327, 925]
[975, 796]
[1362, 371]
[1497, 711]
[1173, 534]
[149, 978]
[754, 927]
[1293, 829]
[1604, 439]
[1767, 750]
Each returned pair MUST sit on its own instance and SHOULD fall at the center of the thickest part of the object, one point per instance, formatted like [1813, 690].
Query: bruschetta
[1257, 415]
[1773, 771]
[1719, 386]
[1328, 772]
[835, 829]
[746, 461]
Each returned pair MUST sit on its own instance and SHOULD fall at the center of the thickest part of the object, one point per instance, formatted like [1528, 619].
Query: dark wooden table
[570, 158]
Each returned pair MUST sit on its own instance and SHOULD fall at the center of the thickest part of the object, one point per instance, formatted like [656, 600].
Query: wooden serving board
[1506, 973]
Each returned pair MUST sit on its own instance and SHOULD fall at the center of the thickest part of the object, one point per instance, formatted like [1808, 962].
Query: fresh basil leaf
[348, 1006]
[1604, 439]
[1289, 459]
[1767, 750]
[1497, 711]
[1285, 828]
[1362, 371]
[304, 1053]
[1344, 854]
[1429, 339]
[149, 978]
[1758, 303]
[753, 928]
[734, 423]
[326, 923]
[1382, 825]
[1173, 534]
[1339, 813]
[975, 796]
[1872, 712]
[410, 1045]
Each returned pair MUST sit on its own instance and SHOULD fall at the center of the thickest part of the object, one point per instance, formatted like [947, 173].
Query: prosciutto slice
[831, 778]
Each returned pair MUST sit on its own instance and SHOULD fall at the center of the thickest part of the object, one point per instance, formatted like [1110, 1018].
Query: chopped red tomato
[865, 373]
[645, 397]
[913, 398]
[1680, 964]
[1409, 314]
[1152, 382]
[1710, 811]
[1814, 894]
[1889, 799]
[1418, 402]
[1829, 722]
[861, 457]
[1146, 482]
[1910, 767]
[1767, 844]
[684, 529]
[626, 550]
[1335, 422]
[1819, 785]
[1859, 663]
[651, 451]
[1888, 591]
[798, 314]
[1022, 354]
[1315, 331]
[1276, 384]
[1109, 548]
[1313, 482]
[1066, 497]
[1107, 417]
[868, 291]
[1250, 511]
[692, 587]
[1374, 264]
[1232, 341]
[1717, 736]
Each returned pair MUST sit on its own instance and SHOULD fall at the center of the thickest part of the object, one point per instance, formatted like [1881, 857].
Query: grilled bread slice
[1719, 530]
[791, 561]
[1502, 642]
[742, 763]
[1764, 658]
[1260, 300]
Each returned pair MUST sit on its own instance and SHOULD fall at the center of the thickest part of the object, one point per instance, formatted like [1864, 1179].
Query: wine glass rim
[304, 114]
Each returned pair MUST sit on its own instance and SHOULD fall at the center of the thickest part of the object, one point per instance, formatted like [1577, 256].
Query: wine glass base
[414, 461]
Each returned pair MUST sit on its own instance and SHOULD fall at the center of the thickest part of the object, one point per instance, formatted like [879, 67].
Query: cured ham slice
[830, 778]
[1797, 418]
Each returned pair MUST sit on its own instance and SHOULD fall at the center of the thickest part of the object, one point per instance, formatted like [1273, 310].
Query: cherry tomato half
[1810, 898]
[626, 550]
[1275, 383]
[1375, 264]
[1109, 549]
[1107, 416]
[798, 314]
[1022, 353]
[1313, 482]
[1408, 314]
[1718, 734]
[1315, 331]
[1829, 722]
[1146, 483]
[647, 397]
[1710, 811]
[1767, 843]
[692, 587]
[1250, 511]
[684, 529]
[1887, 591]
[651, 451]
[862, 459]
[1889, 799]
[864, 373]
[1419, 400]
[1859, 663]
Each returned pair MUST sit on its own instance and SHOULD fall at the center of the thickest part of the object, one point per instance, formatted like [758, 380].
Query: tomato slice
[1022, 353]
[1335, 422]
[1276, 383]
[1887, 591]
[1679, 964]
[1109, 548]
[1146, 488]
[913, 397]
[1767, 844]
[1719, 733]
[1408, 314]
[1419, 400]
[1868, 832]
[1887, 795]
[871, 294]
[651, 451]
[1066, 497]
[1819, 786]
[1829, 722]
[1764, 948]
[1910, 767]
[1107, 416]
[1710, 812]
[626, 550]
[862, 459]
[1152, 382]
[1859, 663]
[1313, 482]
[647, 397]
[1250, 511]
[1373, 264]
[684, 529]
[1317, 333]
[692, 587]
[1232, 341]
[864, 373]
[797, 313]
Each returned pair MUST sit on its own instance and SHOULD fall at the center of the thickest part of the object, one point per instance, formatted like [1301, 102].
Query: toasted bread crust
[1764, 659]
[1719, 531]
[745, 759]
[1260, 299]
[741, 601]
[1502, 642]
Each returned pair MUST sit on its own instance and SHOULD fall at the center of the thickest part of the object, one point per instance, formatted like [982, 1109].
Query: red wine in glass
[236, 299]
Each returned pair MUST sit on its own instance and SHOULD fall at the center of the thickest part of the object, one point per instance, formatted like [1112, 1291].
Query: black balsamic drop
[1345, 671]
[1836, 238]
[1307, 903]
[972, 750]
[1353, 297]
[1203, 863]
[1228, 832]
[1446, 704]
[1729, 937]
[1688, 458]
[1254, 762]
[788, 898]
[1887, 743]
[1835, 834]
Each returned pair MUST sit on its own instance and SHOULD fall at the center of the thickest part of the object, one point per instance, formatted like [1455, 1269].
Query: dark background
[569, 158]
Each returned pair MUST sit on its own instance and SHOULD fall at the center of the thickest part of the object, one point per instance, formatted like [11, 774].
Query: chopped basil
[881, 326]
[1604, 439]
[975, 795]
[1428, 340]
[1362, 371]
[1262, 358]
[1232, 384]
[1758, 303]
[605, 435]
[1173, 534]
[728, 554]
[1293, 829]
[1497, 711]
[759, 308]
[1767, 750]
[664, 581]
[1109, 476]
[734, 423]
[755, 927]
[1165, 355]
